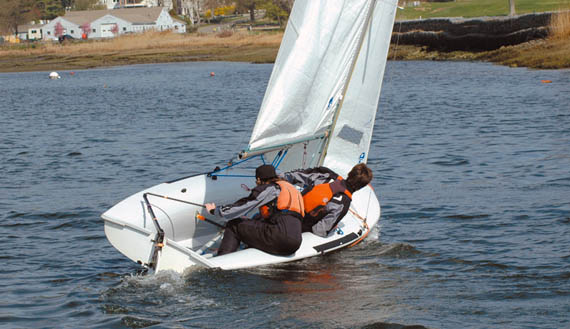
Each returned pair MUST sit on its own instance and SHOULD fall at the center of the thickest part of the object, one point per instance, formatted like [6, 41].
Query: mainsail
[350, 139]
[312, 79]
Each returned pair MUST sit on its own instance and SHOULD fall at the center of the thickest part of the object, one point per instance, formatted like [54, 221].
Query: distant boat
[319, 109]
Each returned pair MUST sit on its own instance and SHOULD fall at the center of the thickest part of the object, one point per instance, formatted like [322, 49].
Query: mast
[345, 88]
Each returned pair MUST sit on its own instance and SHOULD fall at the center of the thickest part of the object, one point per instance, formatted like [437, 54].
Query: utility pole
[512, 6]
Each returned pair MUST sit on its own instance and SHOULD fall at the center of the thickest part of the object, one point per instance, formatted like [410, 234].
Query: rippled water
[471, 162]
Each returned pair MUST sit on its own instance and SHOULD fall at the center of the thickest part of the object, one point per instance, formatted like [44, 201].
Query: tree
[58, 29]
[16, 12]
[87, 5]
[247, 5]
[276, 10]
[86, 28]
[67, 3]
[210, 7]
[512, 7]
[115, 29]
[191, 8]
[50, 9]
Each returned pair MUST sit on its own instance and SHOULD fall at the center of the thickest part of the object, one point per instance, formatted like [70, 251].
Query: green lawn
[477, 8]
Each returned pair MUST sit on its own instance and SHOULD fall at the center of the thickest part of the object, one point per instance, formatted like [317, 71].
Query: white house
[68, 27]
[29, 32]
[109, 23]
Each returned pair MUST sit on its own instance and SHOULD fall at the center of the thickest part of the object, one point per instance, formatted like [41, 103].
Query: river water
[471, 164]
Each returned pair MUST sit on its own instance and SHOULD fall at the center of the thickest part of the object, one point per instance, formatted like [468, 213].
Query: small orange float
[546, 81]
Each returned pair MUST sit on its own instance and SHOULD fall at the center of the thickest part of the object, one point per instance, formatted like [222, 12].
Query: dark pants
[279, 235]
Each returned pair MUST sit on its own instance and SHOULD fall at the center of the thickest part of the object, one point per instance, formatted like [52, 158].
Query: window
[94, 30]
[124, 28]
[72, 32]
[33, 31]
[49, 32]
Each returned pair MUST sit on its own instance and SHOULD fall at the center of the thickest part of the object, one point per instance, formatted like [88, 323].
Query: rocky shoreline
[475, 34]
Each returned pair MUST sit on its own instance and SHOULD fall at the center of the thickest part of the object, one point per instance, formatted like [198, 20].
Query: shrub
[225, 34]
[560, 25]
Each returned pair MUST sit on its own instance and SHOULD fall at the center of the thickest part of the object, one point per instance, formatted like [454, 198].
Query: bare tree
[191, 8]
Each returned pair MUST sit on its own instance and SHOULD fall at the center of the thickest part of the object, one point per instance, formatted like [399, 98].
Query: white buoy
[54, 75]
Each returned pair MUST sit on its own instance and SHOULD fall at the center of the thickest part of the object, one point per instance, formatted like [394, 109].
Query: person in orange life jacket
[276, 229]
[326, 195]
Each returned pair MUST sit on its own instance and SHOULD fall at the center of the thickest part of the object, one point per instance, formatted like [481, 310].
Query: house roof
[26, 27]
[132, 15]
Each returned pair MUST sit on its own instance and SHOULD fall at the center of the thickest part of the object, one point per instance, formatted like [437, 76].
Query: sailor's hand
[210, 207]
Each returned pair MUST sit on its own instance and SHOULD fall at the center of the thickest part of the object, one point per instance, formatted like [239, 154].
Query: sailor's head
[359, 176]
[265, 173]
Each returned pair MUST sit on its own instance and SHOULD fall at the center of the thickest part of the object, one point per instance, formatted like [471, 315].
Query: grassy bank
[162, 47]
[478, 8]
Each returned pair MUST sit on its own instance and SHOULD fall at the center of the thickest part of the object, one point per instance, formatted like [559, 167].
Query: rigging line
[283, 157]
[369, 197]
[173, 199]
[357, 215]
[228, 175]
[231, 165]
[304, 155]
[394, 58]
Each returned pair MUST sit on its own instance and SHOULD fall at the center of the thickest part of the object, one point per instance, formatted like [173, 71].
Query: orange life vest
[321, 194]
[289, 199]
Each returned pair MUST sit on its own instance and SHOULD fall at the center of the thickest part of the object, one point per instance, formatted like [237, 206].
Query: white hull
[130, 228]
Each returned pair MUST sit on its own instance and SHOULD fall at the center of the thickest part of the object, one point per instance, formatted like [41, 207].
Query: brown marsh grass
[550, 53]
[560, 25]
[148, 42]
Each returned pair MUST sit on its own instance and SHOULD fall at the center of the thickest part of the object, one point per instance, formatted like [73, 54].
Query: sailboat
[318, 110]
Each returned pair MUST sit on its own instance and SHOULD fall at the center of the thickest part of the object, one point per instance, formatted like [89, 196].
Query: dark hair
[359, 176]
[269, 180]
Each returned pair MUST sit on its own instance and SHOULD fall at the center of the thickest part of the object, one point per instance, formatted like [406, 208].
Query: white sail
[350, 140]
[310, 71]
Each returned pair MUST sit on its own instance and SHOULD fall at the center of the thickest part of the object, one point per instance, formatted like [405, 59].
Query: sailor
[326, 195]
[277, 227]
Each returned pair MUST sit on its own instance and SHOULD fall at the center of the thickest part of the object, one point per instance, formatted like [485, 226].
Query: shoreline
[537, 54]
[54, 62]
